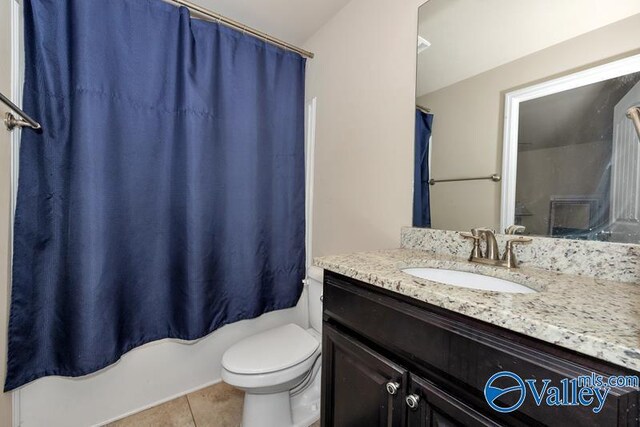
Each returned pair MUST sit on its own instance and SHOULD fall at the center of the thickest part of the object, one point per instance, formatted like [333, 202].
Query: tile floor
[219, 405]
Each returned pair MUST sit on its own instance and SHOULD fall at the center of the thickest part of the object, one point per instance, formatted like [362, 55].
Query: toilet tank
[314, 281]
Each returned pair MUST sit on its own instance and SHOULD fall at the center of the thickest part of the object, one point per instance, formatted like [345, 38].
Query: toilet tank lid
[270, 351]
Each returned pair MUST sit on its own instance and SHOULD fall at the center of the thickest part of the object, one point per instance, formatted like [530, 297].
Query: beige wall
[364, 78]
[467, 129]
[5, 203]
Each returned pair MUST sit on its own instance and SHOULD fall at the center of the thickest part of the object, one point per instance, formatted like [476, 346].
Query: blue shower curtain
[165, 197]
[421, 208]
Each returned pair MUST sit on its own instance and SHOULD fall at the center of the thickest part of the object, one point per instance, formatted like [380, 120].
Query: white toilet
[279, 369]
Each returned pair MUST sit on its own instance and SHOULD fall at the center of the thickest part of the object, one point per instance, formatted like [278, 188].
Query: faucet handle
[469, 235]
[516, 240]
[509, 256]
[476, 252]
[514, 229]
[519, 239]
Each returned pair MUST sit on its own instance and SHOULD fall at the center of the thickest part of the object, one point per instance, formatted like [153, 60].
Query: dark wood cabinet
[365, 387]
[430, 406]
[441, 362]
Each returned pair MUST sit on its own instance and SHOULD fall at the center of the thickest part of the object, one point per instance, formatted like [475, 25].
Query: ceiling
[469, 37]
[293, 21]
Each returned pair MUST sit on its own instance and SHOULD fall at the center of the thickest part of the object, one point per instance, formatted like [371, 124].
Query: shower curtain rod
[241, 27]
[423, 109]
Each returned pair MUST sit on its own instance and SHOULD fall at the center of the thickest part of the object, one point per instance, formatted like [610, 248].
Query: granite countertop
[596, 317]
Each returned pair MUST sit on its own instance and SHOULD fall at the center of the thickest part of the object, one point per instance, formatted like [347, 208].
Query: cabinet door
[430, 406]
[359, 386]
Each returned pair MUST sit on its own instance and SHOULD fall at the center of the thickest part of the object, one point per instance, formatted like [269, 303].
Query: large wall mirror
[528, 113]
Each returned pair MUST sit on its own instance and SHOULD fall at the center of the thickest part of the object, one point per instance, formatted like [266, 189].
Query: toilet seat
[270, 351]
[279, 371]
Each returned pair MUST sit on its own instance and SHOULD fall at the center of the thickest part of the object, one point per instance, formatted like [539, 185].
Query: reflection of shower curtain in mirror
[421, 209]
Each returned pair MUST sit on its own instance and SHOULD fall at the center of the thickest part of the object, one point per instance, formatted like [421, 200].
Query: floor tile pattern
[219, 405]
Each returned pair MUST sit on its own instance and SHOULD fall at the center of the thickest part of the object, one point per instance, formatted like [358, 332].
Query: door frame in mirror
[512, 102]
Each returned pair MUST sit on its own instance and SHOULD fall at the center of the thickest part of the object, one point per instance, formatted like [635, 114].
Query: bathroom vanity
[533, 140]
[399, 350]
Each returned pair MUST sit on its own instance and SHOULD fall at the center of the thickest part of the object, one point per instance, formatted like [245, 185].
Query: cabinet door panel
[436, 408]
[354, 384]
[465, 353]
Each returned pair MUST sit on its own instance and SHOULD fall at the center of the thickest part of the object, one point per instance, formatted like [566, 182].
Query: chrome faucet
[491, 255]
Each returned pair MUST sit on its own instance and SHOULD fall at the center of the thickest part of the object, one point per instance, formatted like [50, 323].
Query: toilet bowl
[279, 371]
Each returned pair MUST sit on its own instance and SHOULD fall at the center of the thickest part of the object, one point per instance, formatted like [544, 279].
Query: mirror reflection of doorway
[624, 225]
[578, 172]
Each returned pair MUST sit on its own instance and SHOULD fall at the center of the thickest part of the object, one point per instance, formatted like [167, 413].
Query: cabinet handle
[393, 387]
[413, 400]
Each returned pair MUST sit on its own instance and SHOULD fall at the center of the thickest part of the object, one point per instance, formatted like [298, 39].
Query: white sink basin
[464, 279]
